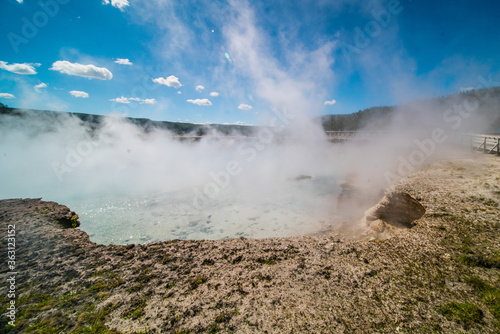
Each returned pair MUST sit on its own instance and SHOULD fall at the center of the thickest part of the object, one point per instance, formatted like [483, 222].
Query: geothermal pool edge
[420, 278]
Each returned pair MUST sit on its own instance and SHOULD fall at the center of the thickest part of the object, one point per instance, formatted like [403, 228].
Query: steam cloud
[62, 159]
[273, 183]
[284, 180]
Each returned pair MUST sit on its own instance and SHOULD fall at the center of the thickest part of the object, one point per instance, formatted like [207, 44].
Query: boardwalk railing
[488, 143]
[348, 135]
[483, 143]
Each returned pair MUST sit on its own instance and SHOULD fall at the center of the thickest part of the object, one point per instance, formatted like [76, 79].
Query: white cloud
[466, 89]
[25, 68]
[20, 1]
[179, 92]
[126, 100]
[121, 100]
[244, 107]
[123, 61]
[120, 4]
[171, 81]
[200, 102]
[236, 123]
[86, 71]
[148, 101]
[39, 88]
[77, 93]
[6, 96]
[199, 88]
[330, 103]
[214, 94]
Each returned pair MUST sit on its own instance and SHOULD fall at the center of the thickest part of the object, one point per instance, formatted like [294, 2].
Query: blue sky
[235, 61]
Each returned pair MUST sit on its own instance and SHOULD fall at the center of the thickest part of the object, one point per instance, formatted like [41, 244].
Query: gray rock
[396, 208]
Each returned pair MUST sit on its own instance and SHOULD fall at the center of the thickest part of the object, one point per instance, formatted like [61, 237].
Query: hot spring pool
[291, 208]
[129, 185]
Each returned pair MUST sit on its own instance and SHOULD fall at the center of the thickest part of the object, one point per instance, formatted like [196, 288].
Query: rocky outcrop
[56, 212]
[397, 209]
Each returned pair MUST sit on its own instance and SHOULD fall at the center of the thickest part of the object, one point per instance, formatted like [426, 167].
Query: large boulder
[397, 209]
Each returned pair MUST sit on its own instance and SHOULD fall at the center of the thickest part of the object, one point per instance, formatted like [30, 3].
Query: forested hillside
[481, 113]
[94, 121]
[483, 106]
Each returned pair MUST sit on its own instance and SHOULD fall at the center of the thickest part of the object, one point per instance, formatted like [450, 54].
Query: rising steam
[129, 185]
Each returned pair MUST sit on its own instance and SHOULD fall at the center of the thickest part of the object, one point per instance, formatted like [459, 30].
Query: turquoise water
[291, 208]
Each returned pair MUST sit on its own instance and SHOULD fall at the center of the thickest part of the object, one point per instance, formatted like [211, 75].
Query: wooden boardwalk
[484, 143]
[487, 143]
[356, 135]
[332, 136]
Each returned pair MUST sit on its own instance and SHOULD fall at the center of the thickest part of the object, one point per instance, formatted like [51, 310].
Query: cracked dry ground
[440, 276]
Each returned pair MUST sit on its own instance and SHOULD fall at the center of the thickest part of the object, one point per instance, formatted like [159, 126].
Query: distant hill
[485, 117]
[94, 121]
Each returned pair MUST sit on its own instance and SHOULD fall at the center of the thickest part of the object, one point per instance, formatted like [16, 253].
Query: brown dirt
[430, 278]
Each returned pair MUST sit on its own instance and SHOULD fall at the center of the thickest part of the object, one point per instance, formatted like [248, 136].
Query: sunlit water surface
[294, 207]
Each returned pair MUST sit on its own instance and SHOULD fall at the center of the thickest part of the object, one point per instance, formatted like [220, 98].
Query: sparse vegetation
[466, 314]
[489, 294]
[89, 319]
[136, 309]
[197, 281]
[269, 261]
[480, 260]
